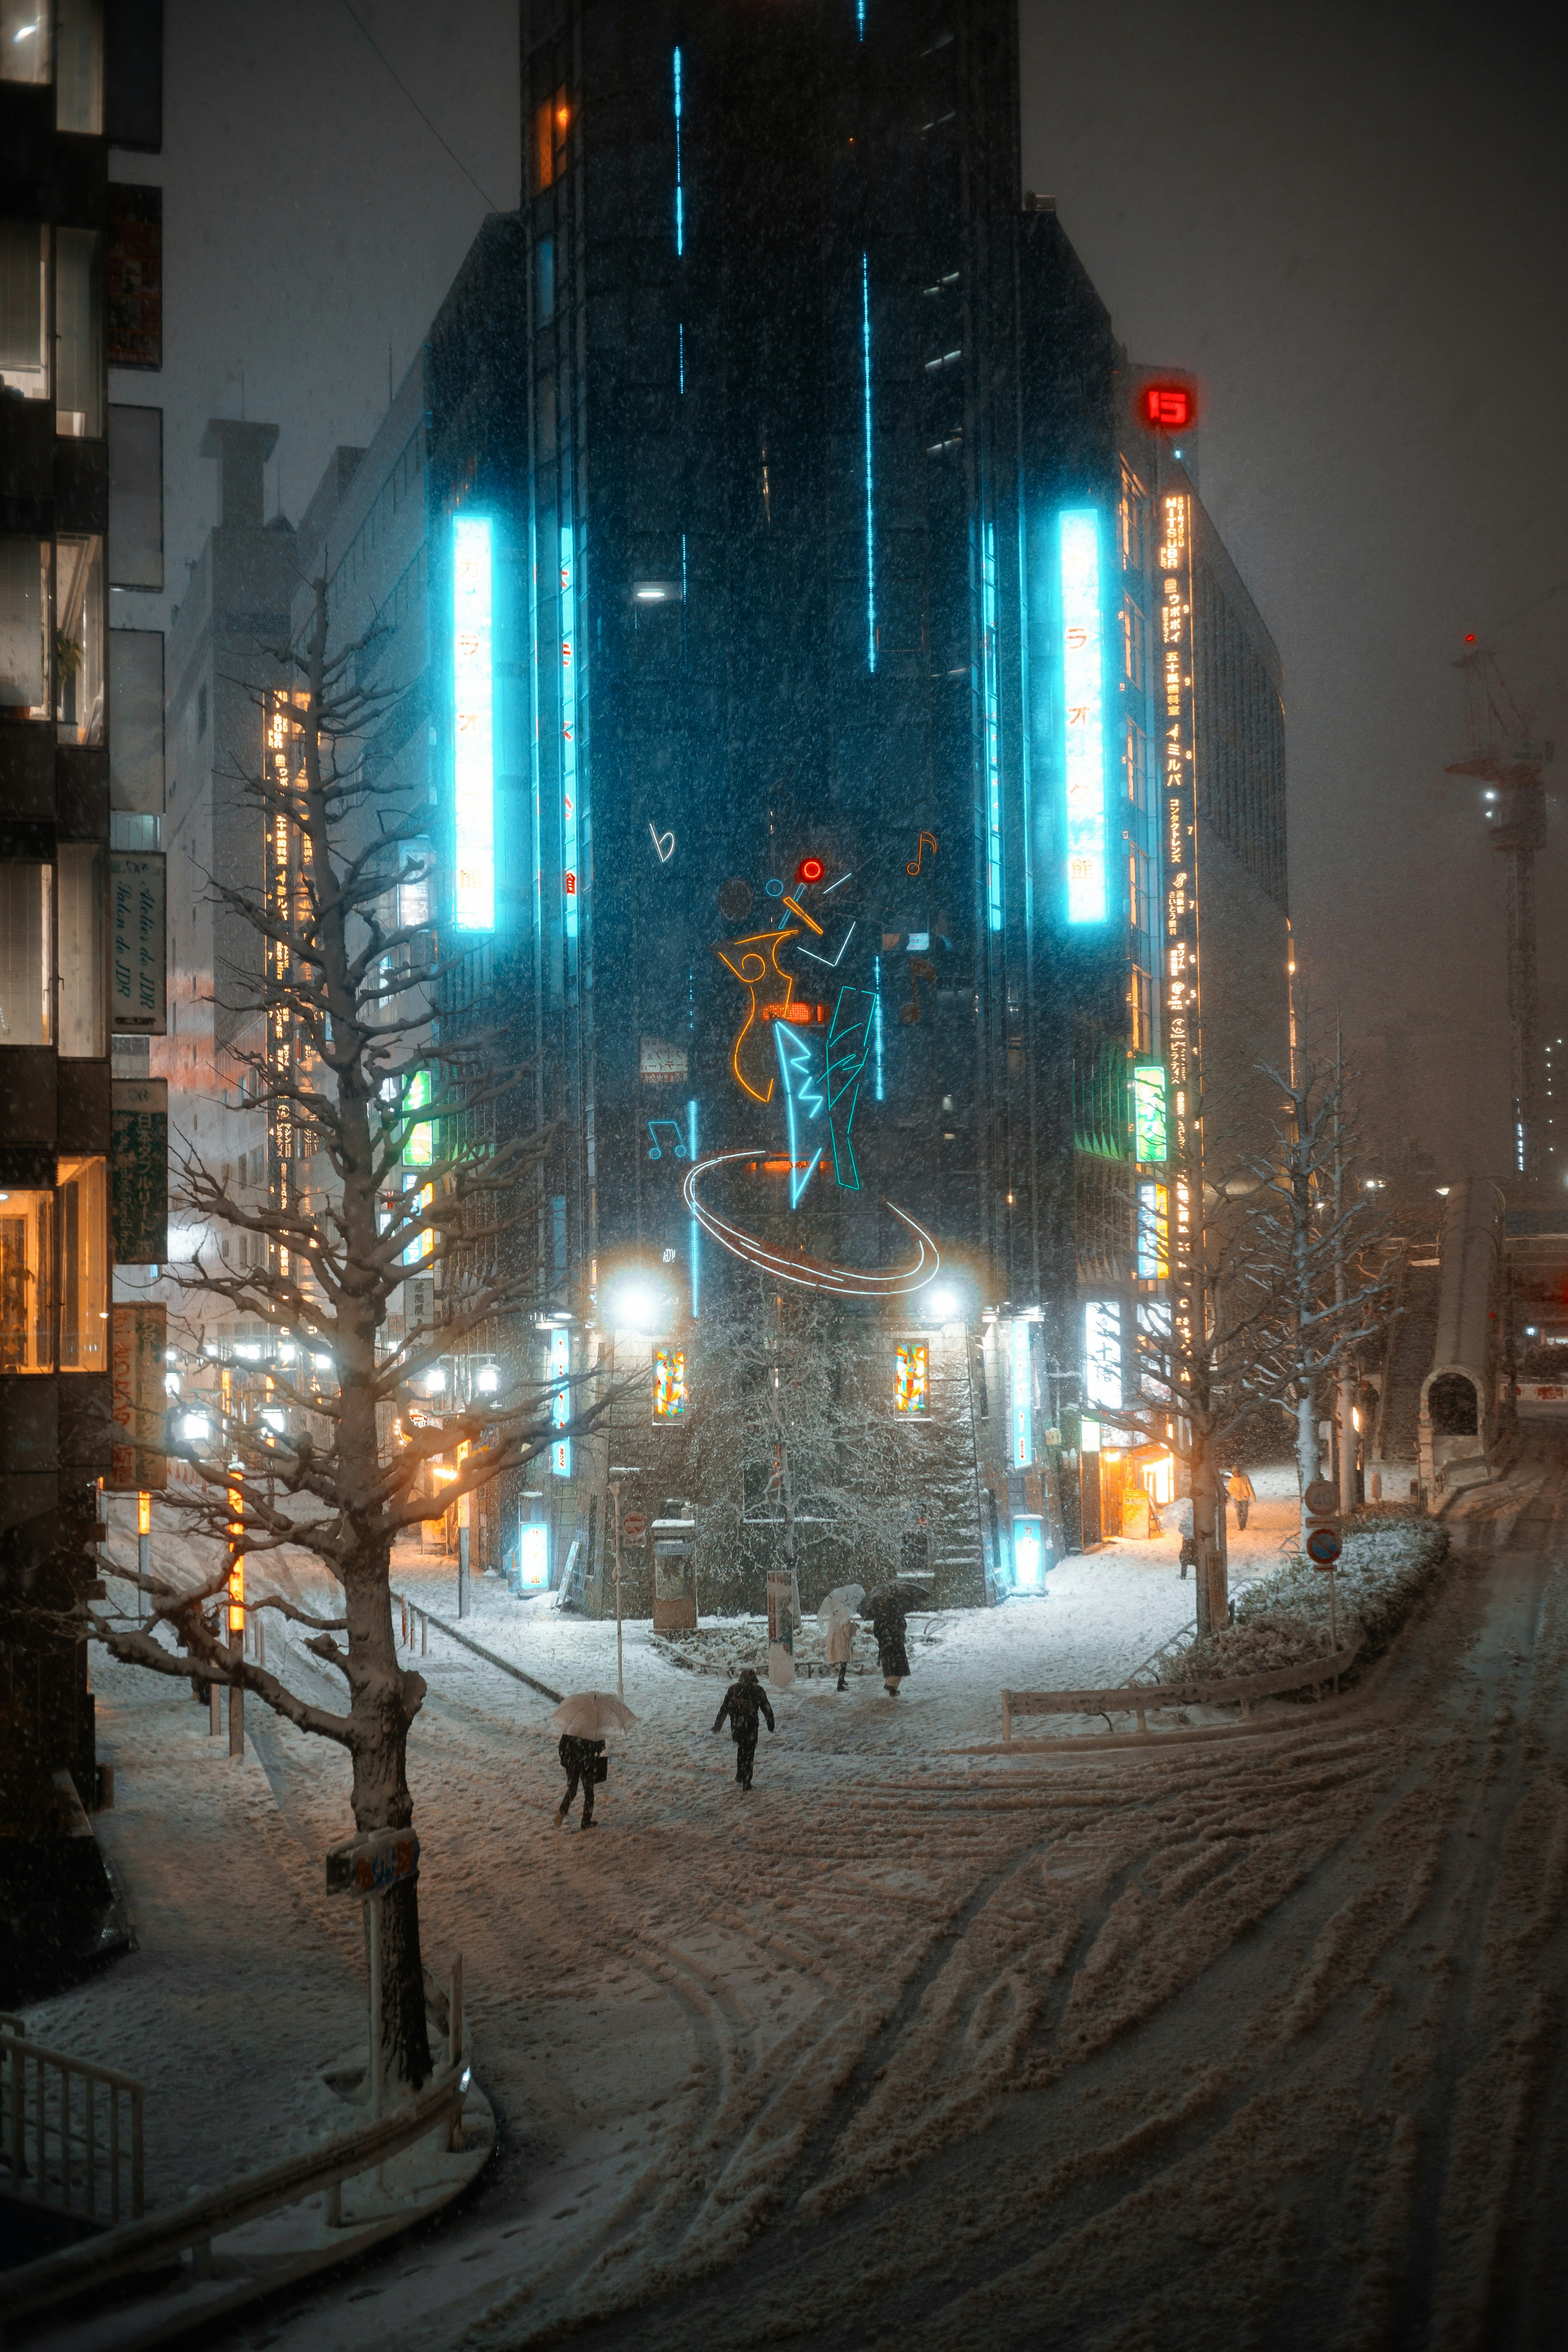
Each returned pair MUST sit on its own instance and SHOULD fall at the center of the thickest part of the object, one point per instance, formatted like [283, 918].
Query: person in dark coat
[890, 1621]
[743, 1701]
[579, 1762]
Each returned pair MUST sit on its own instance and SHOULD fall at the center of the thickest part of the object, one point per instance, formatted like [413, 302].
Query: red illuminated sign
[1166, 406]
[810, 870]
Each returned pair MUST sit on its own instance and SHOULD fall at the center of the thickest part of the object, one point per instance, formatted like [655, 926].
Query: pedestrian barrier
[70, 2133]
[417, 1620]
[1140, 1698]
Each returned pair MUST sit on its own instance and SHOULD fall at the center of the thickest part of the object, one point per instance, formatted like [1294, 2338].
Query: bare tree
[354, 1063]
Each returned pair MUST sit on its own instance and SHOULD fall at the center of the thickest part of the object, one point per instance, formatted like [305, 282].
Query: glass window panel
[83, 1211]
[135, 497]
[26, 1263]
[136, 737]
[78, 350]
[24, 41]
[79, 641]
[23, 610]
[24, 312]
[26, 955]
[78, 69]
[82, 1010]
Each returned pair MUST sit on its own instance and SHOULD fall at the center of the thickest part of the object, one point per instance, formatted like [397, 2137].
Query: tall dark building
[82, 949]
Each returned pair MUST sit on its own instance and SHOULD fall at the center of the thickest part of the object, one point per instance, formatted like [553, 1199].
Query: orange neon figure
[757, 969]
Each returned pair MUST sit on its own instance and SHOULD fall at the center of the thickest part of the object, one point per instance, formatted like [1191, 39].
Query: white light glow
[473, 725]
[435, 1381]
[196, 1425]
[488, 1380]
[1028, 1556]
[1083, 701]
[946, 1304]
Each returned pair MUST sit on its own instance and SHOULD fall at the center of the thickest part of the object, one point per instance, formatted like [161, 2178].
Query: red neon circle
[1168, 407]
[810, 870]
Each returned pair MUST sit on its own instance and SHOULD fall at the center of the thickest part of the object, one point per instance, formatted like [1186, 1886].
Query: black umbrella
[895, 1596]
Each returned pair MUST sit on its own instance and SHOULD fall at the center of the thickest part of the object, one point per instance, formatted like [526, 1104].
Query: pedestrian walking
[742, 1702]
[581, 1760]
[836, 1618]
[1240, 1489]
[889, 1611]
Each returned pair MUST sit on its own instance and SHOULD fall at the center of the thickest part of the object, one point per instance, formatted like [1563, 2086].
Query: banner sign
[141, 1170]
[785, 1621]
[140, 1337]
[138, 997]
[1174, 555]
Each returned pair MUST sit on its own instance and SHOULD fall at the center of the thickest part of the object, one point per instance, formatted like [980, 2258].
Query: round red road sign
[633, 1527]
[1322, 1500]
[1324, 1546]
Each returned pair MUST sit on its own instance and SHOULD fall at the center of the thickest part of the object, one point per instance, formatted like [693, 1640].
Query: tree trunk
[384, 1699]
[1212, 1599]
[1306, 1448]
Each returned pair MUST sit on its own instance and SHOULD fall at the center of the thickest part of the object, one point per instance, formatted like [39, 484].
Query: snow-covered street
[941, 2050]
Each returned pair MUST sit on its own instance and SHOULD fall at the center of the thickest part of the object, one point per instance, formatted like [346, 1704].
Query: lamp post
[620, 1674]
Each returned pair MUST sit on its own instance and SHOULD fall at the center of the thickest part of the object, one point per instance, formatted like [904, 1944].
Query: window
[79, 641]
[83, 1193]
[545, 280]
[551, 121]
[26, 1258]
[24, 612]
[668, 1384]
[201, 711]
[78, 349]
[1135, 760]
[81, 1001]
[26, 955]
[1134, 643]
[1134, 521]
[1140, 890]
[79, 67]
[136, 741]
[24, 41]
[911, 1376]
[24, 309]
[1140, 1010]
[135, 497]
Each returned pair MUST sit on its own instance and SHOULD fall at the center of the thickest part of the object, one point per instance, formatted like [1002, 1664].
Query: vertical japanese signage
[1083, 705]
[1179, 807]
[561, 1405]
[138, 1341]
[473, 722]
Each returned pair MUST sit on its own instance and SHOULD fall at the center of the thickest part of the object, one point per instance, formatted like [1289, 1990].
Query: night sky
[1348, 221]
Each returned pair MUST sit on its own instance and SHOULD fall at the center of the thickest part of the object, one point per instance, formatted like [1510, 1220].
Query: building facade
[81, 1151]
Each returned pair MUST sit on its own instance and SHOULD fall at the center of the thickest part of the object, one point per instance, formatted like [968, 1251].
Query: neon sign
[870, 509]
[795, 1265]
[1175, 557]
[1168, 407]
[810, 870]
[1029, 1554]
[473, 726]
[416, 1149]
[911, 1376]
[1083, 699]
[569, 831]
[993, 736]
[668, 1384]
[805, 1101]
[849, 1043]
[1150, 1124]
[755, 970]
[1102, 1353]
[560, 1405]
[1022, 1399]
[1153, 1232]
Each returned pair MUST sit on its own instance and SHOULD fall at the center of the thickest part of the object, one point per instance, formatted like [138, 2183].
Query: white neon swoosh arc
[811, 1273]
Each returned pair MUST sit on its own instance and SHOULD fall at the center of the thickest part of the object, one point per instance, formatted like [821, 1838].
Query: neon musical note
[673, 1126]
[659, 839]
[920, 853]
[918, 969]
[755, 968]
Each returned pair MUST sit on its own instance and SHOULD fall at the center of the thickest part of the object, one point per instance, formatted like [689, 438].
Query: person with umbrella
[583, 1721]
[743, 1701]
[835, 1622]
[888, 1611]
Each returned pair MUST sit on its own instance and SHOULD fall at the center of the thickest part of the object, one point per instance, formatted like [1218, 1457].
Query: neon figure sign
[473, 725]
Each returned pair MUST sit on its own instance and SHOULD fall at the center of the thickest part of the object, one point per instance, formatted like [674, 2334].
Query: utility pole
[1509, 763]
[1345, 1383]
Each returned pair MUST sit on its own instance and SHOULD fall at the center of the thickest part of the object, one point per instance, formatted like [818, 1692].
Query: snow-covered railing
[70, 2132]
[191, 2228]
[1138, 1698]
[417, 1620]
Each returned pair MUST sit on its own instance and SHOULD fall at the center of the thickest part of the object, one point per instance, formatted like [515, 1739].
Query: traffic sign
[1324, 1546]
[1322, 1499]
[370, 1865]
[633, 1527]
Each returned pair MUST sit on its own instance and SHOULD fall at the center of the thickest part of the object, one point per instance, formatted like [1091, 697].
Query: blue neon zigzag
[833, 1090]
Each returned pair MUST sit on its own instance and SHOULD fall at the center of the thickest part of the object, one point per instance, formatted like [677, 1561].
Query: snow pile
[1284, 1617]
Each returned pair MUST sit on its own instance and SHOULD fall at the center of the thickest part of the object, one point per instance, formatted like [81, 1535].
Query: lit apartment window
[1140, 890]
[79, 640]
[1140, 1011]
[1134, 522]
[26, 1258]
[551, 121]
[24, 41]
[79, 345]
[80, 927]
[1134, 638]
[1135, 759]
[26, 955]
[24, 628]
[78, 66]
[83, 1213]
[24, 309]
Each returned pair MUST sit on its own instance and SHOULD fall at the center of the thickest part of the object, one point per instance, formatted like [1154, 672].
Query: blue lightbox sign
[561, 1405]
[1083, 704]
[1022, 1393]
[533, 1559]
[473, 722]
[1028, 1555]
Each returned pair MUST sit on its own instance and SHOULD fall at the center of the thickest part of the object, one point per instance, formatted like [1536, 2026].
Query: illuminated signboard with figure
[1083, 708]
[473, 726]
[1149, 1124]
[668, 1384]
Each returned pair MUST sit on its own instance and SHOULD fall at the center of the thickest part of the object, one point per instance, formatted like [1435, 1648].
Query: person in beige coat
[837, 1619]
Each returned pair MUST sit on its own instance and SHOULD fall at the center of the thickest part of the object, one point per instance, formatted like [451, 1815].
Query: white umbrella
[592, 1715]
[844, 1601]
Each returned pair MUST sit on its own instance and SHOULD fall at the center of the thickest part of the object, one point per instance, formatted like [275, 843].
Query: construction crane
[1509, 763]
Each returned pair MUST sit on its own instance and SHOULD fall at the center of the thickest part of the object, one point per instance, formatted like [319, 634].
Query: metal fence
[70, 2132]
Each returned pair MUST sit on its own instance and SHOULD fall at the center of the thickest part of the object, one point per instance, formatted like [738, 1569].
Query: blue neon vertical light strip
[691, 1155]
[991, 702]
[860, 18]
[681, 334]
[570, 877]
[679, 191]
[877, 1019]
[1083, 701]
[1023, 1393]
[535, 658]
[473, 725]
[870, 509]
